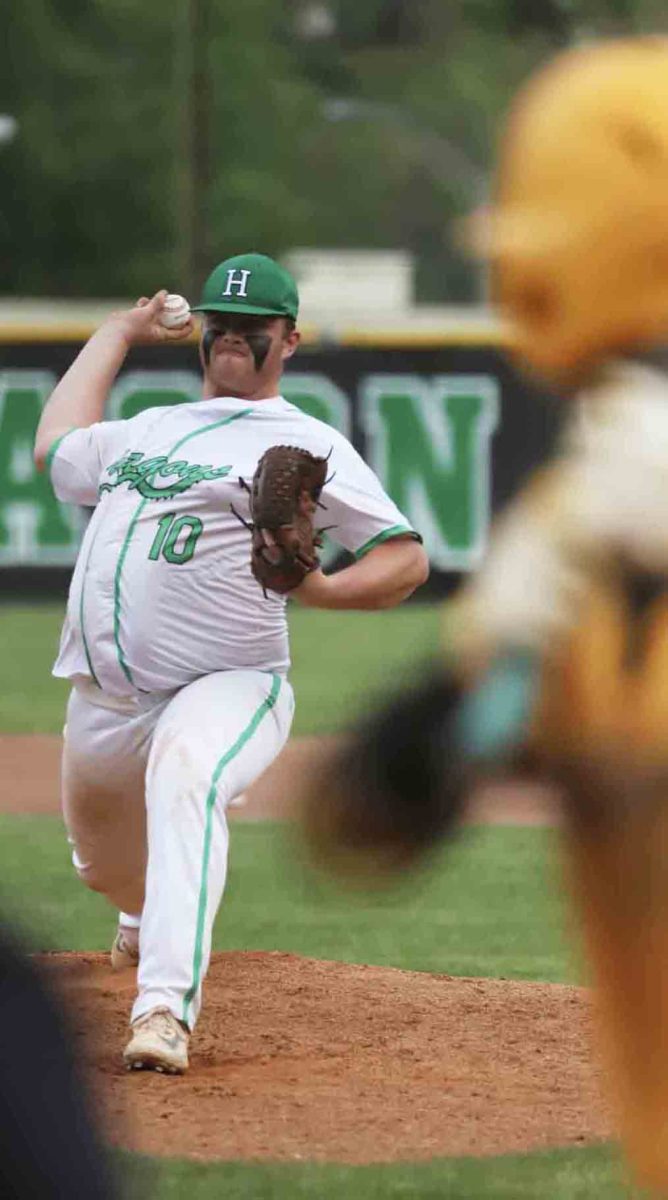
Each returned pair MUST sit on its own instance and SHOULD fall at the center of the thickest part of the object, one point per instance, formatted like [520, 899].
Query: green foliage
[156, 138]
[89, 207]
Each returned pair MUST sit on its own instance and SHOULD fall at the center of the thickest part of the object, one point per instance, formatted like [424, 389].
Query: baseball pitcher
[175, 639]
[560, 654]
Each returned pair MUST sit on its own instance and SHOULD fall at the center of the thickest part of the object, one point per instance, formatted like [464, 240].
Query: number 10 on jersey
[176, 538]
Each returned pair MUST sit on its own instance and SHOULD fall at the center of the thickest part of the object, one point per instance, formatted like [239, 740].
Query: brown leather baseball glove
[284, 496]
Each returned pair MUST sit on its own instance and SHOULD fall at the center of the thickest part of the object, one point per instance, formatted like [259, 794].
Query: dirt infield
[30, 767]
[301, 1059]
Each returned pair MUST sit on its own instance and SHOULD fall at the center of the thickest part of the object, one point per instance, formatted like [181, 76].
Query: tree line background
[155, 138]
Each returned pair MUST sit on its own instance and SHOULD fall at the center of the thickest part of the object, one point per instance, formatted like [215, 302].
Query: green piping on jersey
[265, 707]
[392, 532]
[117, 589]
[53, 448]
[51, 453]
[81, 617]
[129, 535]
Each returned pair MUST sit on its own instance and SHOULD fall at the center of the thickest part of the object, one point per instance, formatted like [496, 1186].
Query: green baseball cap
[250, 283]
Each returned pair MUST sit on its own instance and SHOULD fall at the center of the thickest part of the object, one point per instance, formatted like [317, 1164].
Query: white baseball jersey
[162, 592]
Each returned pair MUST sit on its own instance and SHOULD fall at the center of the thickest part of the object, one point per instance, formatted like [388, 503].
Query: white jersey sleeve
[360, 511]
[77, 460]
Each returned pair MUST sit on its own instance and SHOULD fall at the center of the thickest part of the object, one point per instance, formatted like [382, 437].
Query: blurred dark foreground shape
[49, 1146]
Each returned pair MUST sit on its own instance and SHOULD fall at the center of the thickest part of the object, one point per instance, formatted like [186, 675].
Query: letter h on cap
[236, 280]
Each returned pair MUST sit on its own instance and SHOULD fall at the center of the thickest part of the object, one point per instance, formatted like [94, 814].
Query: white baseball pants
[146, 783]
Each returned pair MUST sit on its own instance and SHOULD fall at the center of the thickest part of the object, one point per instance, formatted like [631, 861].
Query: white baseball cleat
[159, 1043]
[124, 951]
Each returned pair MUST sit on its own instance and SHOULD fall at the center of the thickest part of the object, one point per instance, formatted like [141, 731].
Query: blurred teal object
[493, 718]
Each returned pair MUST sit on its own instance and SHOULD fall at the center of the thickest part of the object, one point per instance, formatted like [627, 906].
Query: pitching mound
[300, 1059]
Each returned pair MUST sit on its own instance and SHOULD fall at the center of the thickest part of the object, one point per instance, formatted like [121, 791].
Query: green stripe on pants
[241, 741]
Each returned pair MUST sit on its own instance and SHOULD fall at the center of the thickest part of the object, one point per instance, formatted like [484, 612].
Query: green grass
[340, 660]
[31, 701]
[487, 907]
[592, 1173]
[484, 908]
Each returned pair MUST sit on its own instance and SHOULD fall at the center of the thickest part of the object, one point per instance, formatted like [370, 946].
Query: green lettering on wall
[318, 396]
[311, 391]
[136, 390]
[34, 527]
[429, 441]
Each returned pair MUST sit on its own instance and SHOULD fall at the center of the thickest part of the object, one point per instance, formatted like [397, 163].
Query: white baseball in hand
[175, 313]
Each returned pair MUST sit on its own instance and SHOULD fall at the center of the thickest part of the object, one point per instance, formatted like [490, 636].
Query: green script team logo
[144, 475]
